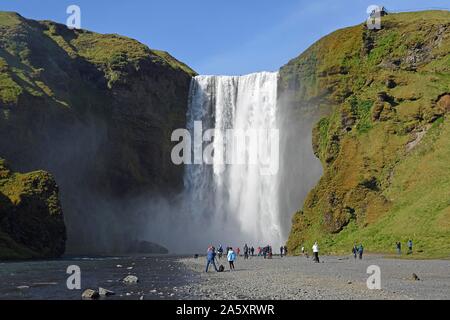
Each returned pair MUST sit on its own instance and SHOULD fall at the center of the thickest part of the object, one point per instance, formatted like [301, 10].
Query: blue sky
[219, 37]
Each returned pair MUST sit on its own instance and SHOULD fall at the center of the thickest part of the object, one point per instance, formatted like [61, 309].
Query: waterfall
[234, 201]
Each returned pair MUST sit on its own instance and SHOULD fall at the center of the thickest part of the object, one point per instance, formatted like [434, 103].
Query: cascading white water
[235, 201]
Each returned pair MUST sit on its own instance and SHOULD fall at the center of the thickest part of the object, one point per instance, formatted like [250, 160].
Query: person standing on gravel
[220, 251]
[210, 258]
[315, 249]
[245, 251]
[252, 250]
[360, 251]
[355, 251]
[231, 256]
[281, 251]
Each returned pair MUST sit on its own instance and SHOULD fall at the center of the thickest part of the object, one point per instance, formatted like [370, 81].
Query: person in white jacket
[231, 256]
[315, 249]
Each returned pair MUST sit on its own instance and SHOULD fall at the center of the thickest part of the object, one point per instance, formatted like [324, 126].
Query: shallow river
[159, 277]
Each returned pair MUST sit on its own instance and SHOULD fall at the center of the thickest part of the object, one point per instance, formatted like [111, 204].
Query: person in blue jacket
[360, 251]
[210, 258]
[231, 256]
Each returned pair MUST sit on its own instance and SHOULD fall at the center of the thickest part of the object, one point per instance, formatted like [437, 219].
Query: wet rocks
[90, 294]
[130, 279]
[105, 292]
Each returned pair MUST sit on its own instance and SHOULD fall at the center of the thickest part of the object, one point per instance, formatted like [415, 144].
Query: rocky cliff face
[96, 111]
[31, 219]
[385, 140]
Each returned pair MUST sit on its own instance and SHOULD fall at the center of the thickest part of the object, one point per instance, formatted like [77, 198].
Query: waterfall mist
[233, 204]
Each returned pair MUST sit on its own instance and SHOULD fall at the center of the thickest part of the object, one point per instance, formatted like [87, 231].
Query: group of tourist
[358, 251]
[266, 252]
[212, 256]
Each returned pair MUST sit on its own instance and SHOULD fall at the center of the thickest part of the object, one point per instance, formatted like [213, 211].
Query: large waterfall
[225, 200]
[235, 202]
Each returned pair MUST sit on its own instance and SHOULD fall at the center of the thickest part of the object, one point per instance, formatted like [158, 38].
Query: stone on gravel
[90, 294]
[130, 279]
[105, 292]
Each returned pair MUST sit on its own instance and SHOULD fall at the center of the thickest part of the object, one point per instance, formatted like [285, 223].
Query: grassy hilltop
[385, 141]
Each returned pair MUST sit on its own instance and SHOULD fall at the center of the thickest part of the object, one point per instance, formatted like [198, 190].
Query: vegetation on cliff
[31, 219]
[385, 140]
[97, 112]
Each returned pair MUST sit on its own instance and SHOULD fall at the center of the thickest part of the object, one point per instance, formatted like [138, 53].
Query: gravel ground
[333, 278]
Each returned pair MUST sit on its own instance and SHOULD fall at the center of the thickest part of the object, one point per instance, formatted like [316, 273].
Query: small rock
[130, 268]
[105, 292]
[390, 83]
[349, 282]
[119, 266]
[415, 277]
[23, 287]
[141, 298]
[90, 294]
[130, 279]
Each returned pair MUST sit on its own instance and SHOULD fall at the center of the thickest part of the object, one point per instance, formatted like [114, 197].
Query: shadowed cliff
[97, 112]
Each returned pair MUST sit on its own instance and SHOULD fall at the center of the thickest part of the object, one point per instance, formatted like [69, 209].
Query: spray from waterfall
[234, 203]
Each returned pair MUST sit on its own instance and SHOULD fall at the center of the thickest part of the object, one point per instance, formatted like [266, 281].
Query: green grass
[393, 194]
[9, 19]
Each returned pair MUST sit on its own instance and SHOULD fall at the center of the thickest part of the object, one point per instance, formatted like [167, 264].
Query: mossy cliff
[95, 110]
[385, 140]
[31, 220]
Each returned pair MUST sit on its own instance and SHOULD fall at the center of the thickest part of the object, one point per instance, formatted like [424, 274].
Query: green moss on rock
[31, 219]
[385, 140]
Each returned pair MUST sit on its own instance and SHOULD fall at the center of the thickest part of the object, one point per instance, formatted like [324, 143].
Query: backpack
[221, 268]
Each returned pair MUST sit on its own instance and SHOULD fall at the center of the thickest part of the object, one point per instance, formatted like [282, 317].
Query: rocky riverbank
[333, 278]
